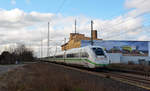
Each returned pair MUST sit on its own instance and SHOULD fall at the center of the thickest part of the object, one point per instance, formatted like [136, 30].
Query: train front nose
[100, 56]
[103, 60]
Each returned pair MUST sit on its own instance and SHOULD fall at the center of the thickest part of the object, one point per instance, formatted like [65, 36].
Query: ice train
[89, 56]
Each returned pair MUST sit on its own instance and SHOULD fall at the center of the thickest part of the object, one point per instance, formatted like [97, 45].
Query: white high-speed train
[89, 56]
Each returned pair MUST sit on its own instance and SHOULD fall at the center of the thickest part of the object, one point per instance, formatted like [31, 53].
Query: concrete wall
[114, 57]
[119, 58]
[135, 59]
[149, 49]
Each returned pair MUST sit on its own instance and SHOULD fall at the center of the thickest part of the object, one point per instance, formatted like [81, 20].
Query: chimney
[94, 34]
[71, 35]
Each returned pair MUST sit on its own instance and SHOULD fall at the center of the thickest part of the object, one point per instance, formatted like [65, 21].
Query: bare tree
[23, 53]
[18, 54]
[7, 58]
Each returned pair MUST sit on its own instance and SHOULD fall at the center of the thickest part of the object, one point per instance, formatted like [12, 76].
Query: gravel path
[6, 68]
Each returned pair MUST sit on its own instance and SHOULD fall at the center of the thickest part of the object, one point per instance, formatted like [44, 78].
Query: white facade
[135, 59]
[119, 58]
[114, 57]
[143, 47]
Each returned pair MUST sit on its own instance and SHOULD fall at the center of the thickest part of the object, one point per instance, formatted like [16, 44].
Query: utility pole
[65, 43]
[75, 26]
[48, 41]
[41, 45]
[92, 32]
[56, 49]
[64, 49]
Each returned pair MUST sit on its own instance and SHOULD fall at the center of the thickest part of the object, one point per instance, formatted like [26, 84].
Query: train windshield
[98, 51]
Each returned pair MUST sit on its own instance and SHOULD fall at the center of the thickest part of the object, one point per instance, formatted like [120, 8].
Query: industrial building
[124, 51]
[75, 40]
[118, 51]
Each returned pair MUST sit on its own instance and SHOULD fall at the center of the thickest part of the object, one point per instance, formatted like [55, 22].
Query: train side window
[74, 55]
[59, 56]
[69, 55]
[84, 54]
[51, 57]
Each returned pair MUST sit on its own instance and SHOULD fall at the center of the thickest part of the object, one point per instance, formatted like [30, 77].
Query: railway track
[126, 78]
[132, 80]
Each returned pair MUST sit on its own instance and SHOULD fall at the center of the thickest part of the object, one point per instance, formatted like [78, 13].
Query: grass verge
[43, 77]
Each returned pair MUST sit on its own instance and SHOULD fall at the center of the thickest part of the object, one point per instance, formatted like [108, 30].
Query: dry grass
[42, 77]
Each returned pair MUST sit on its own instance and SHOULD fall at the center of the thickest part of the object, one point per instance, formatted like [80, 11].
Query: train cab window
[98, 51]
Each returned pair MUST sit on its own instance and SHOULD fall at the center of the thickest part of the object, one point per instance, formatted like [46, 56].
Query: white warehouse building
[124, 51]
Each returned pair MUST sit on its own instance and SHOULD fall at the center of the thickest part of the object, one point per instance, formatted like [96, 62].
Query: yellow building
[75, 40]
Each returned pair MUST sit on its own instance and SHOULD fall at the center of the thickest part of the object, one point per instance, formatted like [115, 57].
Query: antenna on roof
[75, 26]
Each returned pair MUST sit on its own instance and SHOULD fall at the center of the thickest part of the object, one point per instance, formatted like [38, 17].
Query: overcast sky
[25, 21]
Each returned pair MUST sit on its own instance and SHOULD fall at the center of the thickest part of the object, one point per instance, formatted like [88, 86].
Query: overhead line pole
[92, 32]
[41, 45]
[65, 43]
[48, 41]
[75, 26]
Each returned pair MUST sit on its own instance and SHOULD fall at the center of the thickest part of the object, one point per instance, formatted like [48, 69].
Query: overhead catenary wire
[63, 2]
[113, 27]
[119, 23]
[128, 19]
[57, 11]
[116, 25]
[119, 29]
[119, 34]
[61, 6]
[113, 24]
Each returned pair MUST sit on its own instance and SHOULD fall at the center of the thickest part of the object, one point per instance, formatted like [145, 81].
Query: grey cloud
[17, 26]
[138, 7]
